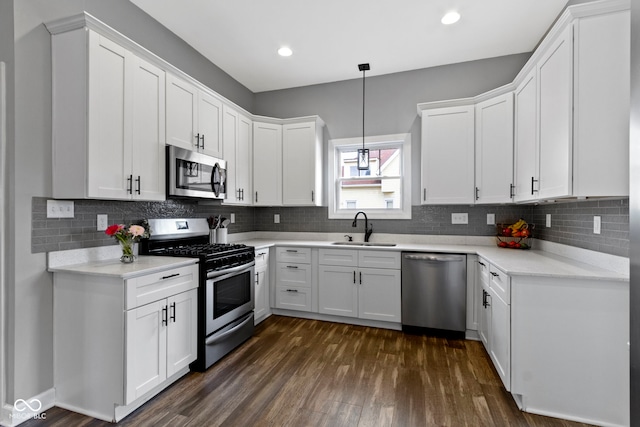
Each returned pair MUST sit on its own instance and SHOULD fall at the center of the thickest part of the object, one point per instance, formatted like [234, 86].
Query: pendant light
[363, 153]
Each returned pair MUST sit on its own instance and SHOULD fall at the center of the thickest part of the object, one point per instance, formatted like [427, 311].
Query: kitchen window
[383, 190]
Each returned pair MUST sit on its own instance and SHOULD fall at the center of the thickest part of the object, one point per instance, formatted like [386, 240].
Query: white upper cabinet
[601, 105]
[108, 121]
[525, 173]
[194, 118]
[302, 164]
[555, 105]
[267, 164]
[494, 150]
[448, 155]
[237, 136]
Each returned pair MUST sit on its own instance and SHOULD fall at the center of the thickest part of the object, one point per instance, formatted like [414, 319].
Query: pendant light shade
[363, 153]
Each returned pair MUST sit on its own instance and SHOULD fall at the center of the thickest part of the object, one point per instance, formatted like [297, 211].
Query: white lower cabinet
[495, 318]
[356, 291]
[262, 310]
[118, 342]
[293, 279]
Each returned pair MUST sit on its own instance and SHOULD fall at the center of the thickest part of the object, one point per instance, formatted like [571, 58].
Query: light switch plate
[60, 209]
[233, 218]
[597, 224]
[460, 218]
[491, 219]
[102, 221]
[548, 220]
[276, 218]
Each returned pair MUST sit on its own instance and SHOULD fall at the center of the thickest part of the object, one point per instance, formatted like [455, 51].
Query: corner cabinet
[302, 163]
[237, 137]
[194, 118]
[448, 155]
[494, 150]
[267, 164]
[141, 331]
[108, 119]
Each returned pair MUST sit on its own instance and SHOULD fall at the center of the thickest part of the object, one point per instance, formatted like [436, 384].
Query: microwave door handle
[215, 179]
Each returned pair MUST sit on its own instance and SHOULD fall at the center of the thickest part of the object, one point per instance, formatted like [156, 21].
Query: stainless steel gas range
[226, 289]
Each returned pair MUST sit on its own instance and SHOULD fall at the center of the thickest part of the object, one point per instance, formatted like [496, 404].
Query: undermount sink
[363, 244]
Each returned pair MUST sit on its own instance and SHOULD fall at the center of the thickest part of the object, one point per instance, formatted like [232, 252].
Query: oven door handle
[231, 270]
[215, 339]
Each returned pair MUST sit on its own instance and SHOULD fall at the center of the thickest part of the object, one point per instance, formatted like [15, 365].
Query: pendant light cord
[363, 104]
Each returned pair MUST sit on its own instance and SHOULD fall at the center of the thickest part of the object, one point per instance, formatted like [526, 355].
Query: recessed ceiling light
[285, 51]
[450, 18]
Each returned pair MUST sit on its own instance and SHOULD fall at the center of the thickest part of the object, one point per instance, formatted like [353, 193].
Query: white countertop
[114, 268]
[514, 262]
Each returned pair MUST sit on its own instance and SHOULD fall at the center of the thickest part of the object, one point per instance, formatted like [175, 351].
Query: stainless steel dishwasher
[434, 293]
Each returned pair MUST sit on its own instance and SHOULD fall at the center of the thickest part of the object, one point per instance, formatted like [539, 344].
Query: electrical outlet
[102, 221]
[276, 218]
[460, 218]
[60, 209]
[597, 224]
[548, 220]
[233, 218]
[491, 219]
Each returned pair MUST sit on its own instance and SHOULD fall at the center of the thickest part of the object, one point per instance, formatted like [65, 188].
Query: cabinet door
[500, 337]
[267, 164]
[182, 101]
[526, 140]
[182, 331]
[261, 286]
[210, 124]
[494, 150]
[146, 348]
[301, 165]
[379, 294]
[338, 290]
[244, 163]
[448, 155]
[555, 79]
[484, 329]
[148, 131]
[229, 141]
[109, 150]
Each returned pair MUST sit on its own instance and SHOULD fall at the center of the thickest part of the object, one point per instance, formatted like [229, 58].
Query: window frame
[333, 158]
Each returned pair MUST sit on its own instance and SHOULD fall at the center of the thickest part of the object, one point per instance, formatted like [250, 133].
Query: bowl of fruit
[514, 236]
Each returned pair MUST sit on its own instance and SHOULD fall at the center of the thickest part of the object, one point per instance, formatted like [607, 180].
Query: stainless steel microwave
[192, 174]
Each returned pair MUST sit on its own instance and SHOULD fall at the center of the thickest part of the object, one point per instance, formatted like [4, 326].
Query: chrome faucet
[368, 228]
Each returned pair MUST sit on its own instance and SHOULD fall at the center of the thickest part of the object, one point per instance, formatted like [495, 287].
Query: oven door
[229, 295]
[192, 174]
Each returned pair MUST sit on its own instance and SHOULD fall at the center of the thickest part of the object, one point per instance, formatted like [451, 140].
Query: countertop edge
[116, 269]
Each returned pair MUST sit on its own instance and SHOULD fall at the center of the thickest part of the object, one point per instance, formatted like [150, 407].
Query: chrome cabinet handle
[202, 138]
[164, 315]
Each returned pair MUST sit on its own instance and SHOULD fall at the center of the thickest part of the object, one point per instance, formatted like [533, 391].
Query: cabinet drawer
[262, 257]
[287, 254]
[153, 287]
[292, 274]
[346, 257]
[379, 259]
[500, 284]
[293, 298]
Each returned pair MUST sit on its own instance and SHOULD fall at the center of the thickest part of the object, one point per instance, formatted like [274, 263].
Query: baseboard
[26, 409]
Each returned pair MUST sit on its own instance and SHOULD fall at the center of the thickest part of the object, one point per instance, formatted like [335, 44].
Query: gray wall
[29, 286]
[634, 213]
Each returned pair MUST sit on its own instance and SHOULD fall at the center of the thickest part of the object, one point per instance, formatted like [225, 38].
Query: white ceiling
[330, 38]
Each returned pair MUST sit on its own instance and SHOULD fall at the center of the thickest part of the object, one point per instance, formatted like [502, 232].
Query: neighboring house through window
[383, 190]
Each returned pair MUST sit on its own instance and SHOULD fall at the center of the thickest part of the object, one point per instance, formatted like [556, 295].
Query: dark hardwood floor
[297, 372]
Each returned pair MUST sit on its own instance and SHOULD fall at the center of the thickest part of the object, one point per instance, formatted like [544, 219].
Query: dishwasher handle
[434, 257]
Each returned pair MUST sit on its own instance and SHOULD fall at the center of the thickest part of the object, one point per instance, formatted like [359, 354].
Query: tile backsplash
[572, 222]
